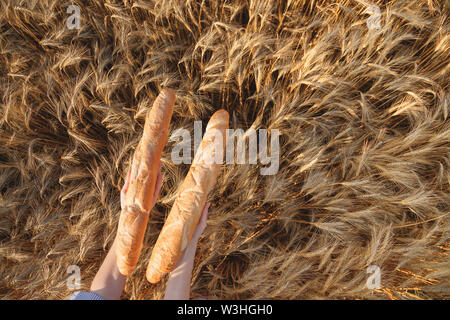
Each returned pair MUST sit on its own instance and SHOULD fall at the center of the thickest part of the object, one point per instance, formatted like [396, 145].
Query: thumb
[202, 221]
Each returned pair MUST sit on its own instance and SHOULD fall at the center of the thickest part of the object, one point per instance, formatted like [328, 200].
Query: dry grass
[365, 142]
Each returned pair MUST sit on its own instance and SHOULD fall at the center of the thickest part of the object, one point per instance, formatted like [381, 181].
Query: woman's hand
[109, 282]
[178, 285]
[124, 190]
[200, 227]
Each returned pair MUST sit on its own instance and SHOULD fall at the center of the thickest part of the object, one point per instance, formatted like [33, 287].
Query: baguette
[144, 171]
[191, 198]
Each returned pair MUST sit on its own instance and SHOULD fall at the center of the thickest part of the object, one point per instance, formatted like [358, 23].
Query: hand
[200, 227]
[109, 282]
[178, 285]
[158, 184]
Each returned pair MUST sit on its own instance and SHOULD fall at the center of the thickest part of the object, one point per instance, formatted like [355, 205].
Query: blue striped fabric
[81, 295]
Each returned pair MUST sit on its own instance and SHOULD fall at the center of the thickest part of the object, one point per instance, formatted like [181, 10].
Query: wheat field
[363, 117]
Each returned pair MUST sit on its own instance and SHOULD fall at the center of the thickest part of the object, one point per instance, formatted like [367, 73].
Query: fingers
[127, 182]
[123, 192]
[157, 186]
[202, 222]
[204, 215]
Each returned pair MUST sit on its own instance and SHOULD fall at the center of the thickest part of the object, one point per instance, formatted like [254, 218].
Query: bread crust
[188, 206]
[144, 171]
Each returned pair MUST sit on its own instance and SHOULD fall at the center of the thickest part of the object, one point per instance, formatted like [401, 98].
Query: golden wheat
[364, 173]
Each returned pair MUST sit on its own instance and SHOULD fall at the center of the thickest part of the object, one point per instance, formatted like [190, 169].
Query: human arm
[179, 282]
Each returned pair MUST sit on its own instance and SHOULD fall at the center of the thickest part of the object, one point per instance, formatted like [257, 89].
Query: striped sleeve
[82, 295]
